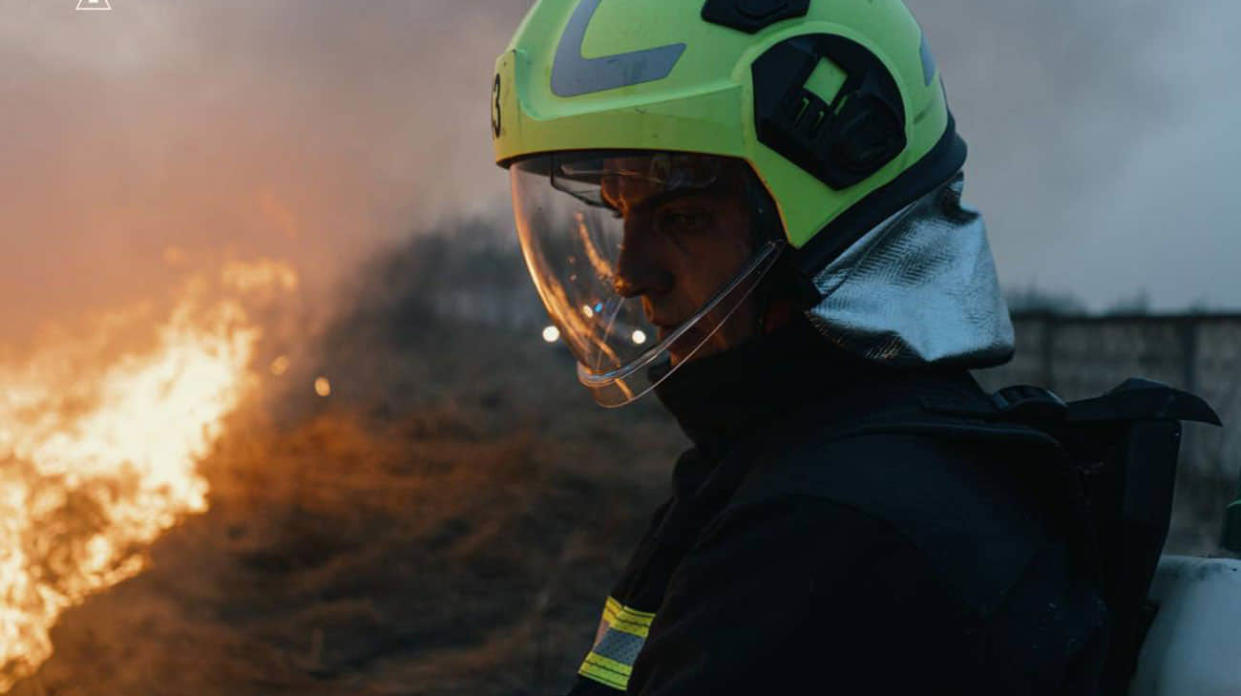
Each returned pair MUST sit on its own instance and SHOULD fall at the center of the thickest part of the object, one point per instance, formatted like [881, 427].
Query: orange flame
[98, 457]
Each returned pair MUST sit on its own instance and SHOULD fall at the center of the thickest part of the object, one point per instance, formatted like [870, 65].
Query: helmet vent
[829, 105]
[752, 16]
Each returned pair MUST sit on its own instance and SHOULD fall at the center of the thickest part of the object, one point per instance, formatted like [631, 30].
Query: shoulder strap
[948, 482]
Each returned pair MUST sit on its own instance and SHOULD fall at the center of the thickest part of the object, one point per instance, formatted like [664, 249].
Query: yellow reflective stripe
[605, 671]
[627, 617]
[622, 618]
[597, 660]
[625, 627]
[618, 607]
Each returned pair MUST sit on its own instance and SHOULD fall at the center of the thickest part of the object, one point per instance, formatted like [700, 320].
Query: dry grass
[442, 525]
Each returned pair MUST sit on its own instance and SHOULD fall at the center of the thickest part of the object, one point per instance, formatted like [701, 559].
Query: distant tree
[1032, 300]
[1201, 306]
[1138, 304]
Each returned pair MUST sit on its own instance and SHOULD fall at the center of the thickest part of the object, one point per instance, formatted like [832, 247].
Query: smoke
[310, 131]
[1101, 141]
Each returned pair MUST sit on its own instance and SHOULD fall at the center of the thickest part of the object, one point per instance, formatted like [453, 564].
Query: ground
[441, 526]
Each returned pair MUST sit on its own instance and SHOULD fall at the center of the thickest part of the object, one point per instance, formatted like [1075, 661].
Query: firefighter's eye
[681, 221]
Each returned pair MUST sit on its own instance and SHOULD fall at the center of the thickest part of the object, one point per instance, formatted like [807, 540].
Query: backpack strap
[1134, 399]
[1142, 399]
[936, 477]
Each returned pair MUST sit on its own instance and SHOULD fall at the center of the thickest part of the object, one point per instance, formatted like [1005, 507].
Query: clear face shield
[644, 260]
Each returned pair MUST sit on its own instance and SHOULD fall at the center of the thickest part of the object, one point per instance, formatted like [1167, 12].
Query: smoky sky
[1102, 133]
[1103, 141]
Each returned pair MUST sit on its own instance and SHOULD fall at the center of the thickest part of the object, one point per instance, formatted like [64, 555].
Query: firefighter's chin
[690, 346]
[695, 343]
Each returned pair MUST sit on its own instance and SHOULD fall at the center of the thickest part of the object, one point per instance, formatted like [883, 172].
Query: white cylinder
[1194, 646]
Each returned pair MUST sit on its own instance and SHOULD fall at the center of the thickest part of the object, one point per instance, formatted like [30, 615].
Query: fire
[256, 277]
[99, 446]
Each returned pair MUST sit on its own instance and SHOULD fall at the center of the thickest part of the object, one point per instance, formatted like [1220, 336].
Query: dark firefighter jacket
[801, 554]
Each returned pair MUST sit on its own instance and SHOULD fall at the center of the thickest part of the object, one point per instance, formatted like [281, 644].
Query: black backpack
[1124, 447]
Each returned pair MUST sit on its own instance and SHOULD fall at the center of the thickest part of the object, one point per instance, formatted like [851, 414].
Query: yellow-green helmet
[830, 101]
[822, 117]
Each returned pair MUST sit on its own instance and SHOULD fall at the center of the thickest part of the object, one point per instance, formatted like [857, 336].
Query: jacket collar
[721, 399]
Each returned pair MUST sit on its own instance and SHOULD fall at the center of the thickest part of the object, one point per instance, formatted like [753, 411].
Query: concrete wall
[1078, 357]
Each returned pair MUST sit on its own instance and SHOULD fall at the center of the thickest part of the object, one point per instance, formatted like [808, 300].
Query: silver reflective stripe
[620, 646]
[574, 75]
[928, 62]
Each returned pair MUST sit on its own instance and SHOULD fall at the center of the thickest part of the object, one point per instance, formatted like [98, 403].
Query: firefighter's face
[679, 250]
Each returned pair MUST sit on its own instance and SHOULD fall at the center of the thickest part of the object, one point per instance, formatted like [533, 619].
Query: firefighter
[754, 209]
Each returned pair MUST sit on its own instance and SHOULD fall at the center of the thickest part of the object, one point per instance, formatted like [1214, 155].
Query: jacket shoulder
[957, 491]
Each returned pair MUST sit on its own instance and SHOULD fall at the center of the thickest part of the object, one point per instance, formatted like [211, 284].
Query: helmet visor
[643, 260]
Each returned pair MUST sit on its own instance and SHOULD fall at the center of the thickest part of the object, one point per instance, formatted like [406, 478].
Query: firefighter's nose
[639, 271]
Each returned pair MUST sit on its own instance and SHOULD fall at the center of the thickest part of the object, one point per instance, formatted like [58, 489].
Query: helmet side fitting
[842, 142]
